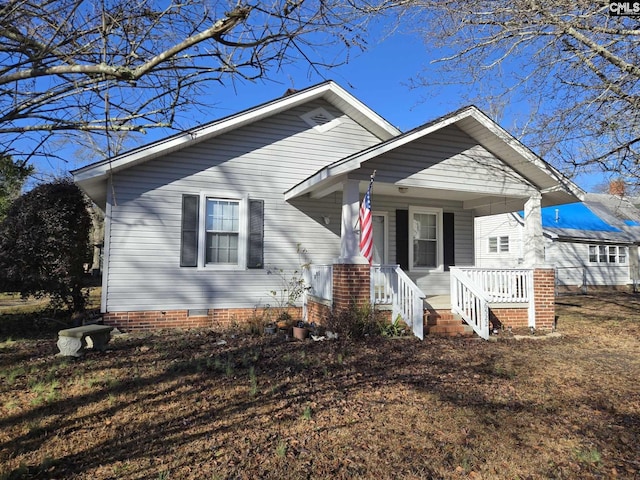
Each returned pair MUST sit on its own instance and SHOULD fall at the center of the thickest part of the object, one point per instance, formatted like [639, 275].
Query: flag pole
[371, 178]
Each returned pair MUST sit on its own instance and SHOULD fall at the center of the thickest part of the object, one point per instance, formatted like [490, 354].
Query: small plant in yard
[397, 328]
[589, 456]
[291, 287]
[307, 413]
[253, 380]
[281, 449]
[356, 322]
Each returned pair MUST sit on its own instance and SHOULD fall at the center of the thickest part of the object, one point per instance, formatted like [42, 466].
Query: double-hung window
[425, 247]
[222, 232]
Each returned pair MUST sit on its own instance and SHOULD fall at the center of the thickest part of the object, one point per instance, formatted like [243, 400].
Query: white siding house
[192, 222]
[592, 243]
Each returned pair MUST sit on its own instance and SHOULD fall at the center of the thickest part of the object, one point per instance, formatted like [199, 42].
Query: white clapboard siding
[262, 161]
[446, 157]
[500, 225]
[571, 260]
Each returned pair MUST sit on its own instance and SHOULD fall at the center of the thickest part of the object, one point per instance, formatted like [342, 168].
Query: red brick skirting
[220, 319]
[509, 317]
[317, 312]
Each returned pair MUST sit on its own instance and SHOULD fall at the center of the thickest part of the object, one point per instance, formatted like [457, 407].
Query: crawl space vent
[320, 120]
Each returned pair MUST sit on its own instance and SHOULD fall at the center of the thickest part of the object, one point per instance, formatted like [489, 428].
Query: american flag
[366, 225]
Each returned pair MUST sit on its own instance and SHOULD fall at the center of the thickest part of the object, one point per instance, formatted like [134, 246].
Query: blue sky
[378, 77]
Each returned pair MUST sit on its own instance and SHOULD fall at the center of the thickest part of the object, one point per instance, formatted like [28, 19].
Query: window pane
[493, 244]
[222, 215]
[424, 253]
[593, 256]
[504, 244]
[424, 226]
[222, 248]
[622, 255]
[602, 254]
[613, 253]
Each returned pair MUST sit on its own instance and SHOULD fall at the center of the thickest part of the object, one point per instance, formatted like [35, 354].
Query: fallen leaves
[199, 404]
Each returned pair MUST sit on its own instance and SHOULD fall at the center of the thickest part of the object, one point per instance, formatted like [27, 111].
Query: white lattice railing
[390, 285]
[502, 285]
[470, 302]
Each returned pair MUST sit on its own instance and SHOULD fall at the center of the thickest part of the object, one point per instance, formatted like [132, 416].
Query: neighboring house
[593, 243]
[193, 221]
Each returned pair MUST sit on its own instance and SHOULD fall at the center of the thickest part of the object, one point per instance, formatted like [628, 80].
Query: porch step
[446, 324]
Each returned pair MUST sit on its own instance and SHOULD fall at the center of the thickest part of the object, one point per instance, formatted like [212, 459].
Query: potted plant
[270, 328]
[300, 330]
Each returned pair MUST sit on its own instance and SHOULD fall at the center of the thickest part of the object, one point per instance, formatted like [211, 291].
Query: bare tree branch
[131, 65]
[574, 65]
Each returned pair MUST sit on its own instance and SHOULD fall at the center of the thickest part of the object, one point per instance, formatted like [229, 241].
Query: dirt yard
[208, 405]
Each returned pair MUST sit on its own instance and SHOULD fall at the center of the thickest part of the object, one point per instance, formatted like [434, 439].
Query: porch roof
[535, 173]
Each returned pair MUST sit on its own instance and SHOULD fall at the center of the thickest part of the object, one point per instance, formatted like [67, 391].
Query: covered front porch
[484, 299]
[430, 185]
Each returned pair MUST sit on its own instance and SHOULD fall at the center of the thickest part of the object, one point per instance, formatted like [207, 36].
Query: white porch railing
[502, 285]
[470, 302]
[472, 290]
[390, 285]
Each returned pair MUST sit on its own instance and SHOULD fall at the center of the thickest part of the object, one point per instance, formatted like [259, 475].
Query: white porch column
[533, 238]
[350, 229]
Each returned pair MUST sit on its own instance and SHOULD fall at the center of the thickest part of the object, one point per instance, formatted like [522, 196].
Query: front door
[379, 238]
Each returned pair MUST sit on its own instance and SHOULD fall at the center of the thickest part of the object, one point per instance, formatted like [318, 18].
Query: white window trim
[499, 244]
[618, 248]
[242, 232]
[439, 244]
[489, 250]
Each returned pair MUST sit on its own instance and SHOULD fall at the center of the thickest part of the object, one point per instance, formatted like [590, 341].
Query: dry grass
[182, 405]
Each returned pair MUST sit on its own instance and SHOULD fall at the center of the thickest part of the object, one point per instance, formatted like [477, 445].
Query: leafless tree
[572, 64]
[129, 65]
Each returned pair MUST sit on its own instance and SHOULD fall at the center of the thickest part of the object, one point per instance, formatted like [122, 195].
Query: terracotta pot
[300, 333]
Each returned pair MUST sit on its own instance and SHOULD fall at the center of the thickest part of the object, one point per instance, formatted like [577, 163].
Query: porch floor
[438, 302]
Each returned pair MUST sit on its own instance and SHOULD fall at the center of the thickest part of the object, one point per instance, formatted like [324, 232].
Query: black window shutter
[189, 240]
[255, 257]
[449, 240]
[402, 238]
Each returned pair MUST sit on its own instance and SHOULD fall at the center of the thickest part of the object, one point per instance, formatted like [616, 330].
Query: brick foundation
[544, 304]
[509, 317]
[318, 312]
[218, 319]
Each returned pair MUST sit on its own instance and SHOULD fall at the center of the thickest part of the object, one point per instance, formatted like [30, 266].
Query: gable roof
[93, 178]
[554, 187]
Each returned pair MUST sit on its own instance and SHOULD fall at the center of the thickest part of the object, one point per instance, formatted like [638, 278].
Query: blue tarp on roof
[632, 223]
[575, 216]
